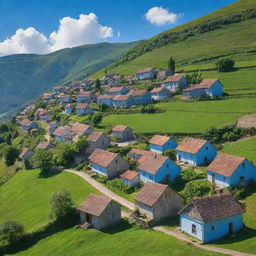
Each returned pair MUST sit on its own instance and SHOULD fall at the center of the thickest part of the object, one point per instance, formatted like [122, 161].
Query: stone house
[195, 151]
[160, 93]
[97, 140]
[157, 201]
[175, 82]
[212, 217]
[145, 74]
[130, 178]
[63, 134]
[107, 163]
[164, 73]
[159, 143]
[25, 155]
[122, 133]
[79, 129]
[227, 171]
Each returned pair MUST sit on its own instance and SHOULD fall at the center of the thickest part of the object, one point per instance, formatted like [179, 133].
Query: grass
[120, 241]
[6, 172]
[25, 198]
[245, 148]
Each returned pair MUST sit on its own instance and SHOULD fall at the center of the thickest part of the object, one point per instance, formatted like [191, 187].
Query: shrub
[11, 232]
[10, 154]
[96, 119]
[117, 184]
[171, 153]
[42, 159]
[225, 65]
[149, 109]
[194, 78]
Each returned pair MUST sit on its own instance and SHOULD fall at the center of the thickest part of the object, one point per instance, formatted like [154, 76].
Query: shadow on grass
[122, 226]
[31, 239]
[48, 174]
[171, 222]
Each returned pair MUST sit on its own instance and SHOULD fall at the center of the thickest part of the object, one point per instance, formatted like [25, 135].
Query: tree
[194, 78]
[171, 64]
[96, 119]
[82, 144]
[61, 204]
[64, 154]
[225, 65]
[10, 154]
[11, 232]
[42, 159]
[97, 84]
[171, 153]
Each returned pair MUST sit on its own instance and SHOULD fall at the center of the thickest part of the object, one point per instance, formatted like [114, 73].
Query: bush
[42, 159]
[225, 65]
[171, 153]
[64, 154]
[10, 154]
[96, 119]
[149, 109]
[194, 78]
[61, 204]
[117, 184]
[11, 232]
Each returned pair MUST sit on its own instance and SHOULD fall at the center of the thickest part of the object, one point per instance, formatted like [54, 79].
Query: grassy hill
[24, 77]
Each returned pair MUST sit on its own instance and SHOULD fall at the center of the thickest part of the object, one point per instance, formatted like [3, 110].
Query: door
[88, 217]
[230, 228]
[213, 178]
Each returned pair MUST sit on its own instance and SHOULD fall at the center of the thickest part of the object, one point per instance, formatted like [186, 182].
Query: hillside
[198, 42]
[24, 77]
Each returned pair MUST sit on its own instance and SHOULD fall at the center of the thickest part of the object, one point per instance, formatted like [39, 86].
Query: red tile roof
[25, 122]
[102, 157]
[80, 129]
[115, 89]
[119, 128]
[225, 164]
[173, 78]
[129, 175]
[150, 193]
[121, 97]
[135, 92]
[152, 164]
[93, 137]
[63, 132]
[95, 204]
[82, 106]
[159, 140]
[205, 84]
[84, 94]
[191, 145]
[105, 97]
[158, 89]
[144, 70]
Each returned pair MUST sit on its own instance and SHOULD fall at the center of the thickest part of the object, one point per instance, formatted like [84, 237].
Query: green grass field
[121, 241]
[25, 198]
[245, 148]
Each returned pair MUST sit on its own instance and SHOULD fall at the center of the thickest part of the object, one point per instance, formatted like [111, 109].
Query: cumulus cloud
[161, 16]
[71, 32]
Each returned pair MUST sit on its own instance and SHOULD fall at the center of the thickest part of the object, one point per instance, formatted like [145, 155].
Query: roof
[79, 128]
[93, 137]
[25, 122]
[94, 204]
[159, 140]
[105, 97]
[63, 96]
[129, 175]
[205, 84]
[121, 97]
[191, 145]
[84, 94]
[24, 152]
[45, 145]
[82, 105]
[152, 164]
[115, 89]
[173, 78]
[158, 89]
[144, 70]
[225, 164]
[150, 193]
[119, 128]
[63, 131]
[137, 92]
[102, 157]
[212, 208]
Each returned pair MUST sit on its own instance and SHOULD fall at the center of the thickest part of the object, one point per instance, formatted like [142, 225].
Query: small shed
[25, 155]
[122, 133]
[159, 143]
[97, 140]
[130, 178]
[99, 211]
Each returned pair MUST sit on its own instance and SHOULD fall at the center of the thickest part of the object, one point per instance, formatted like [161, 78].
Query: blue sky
[124, 16]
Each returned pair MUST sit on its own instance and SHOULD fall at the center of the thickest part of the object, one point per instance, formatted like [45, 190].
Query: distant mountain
[23, 77]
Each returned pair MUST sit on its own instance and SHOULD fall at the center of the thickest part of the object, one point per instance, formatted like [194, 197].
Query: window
[206, 148]
[167, 166]
[193, 229]
[243, 165]
[212, 228]
[224, 178]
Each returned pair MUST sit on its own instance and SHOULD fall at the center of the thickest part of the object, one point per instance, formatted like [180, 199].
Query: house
[99, 212]
[97, 140]
[83, 109]
[138, 154]
[122, 133]
[140, 97]
[81, 129]
[122, 101]
[145, 74]
[107, 163]
[64, 98]
[159, 143]
[164, 73]
[158, 169]
[46, 145]
[157, 201]
[175, 82]
[85, 97]
[160, 93]
[227, 171]
[195, 151]
[105, 99]
[130, 178]
[42, 114]
[27, 125]
[52, 126]
[25, 155]
[121, 90]
[63, 134]
[208, 87]
[212, 217]
[68, 109]
[47, 96]
[59, 89]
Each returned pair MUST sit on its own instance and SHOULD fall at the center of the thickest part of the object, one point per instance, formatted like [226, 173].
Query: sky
[43, 26]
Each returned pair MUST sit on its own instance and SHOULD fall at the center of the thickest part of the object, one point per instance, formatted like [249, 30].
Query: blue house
[227, 171]
[195, 151]
[158, 169]
[85, 97]
[175, 82]
[106, 99]
[130, 178]
[47, 96]
[146, 73]
[27, 125]
[208, 87]
[83, 109]
[121, 90]
[211, 218]
[160, 143]
[64, 98]
[140, 97]
[122, 101]
[160, 93]
[68, 109]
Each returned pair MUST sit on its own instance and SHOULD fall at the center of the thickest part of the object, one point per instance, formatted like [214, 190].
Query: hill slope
[25, 76]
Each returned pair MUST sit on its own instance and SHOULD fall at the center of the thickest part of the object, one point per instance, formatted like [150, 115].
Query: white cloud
[160, 16]
[71, 32]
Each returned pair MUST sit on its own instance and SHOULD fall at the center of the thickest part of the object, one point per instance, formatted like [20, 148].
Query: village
[151, 171]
